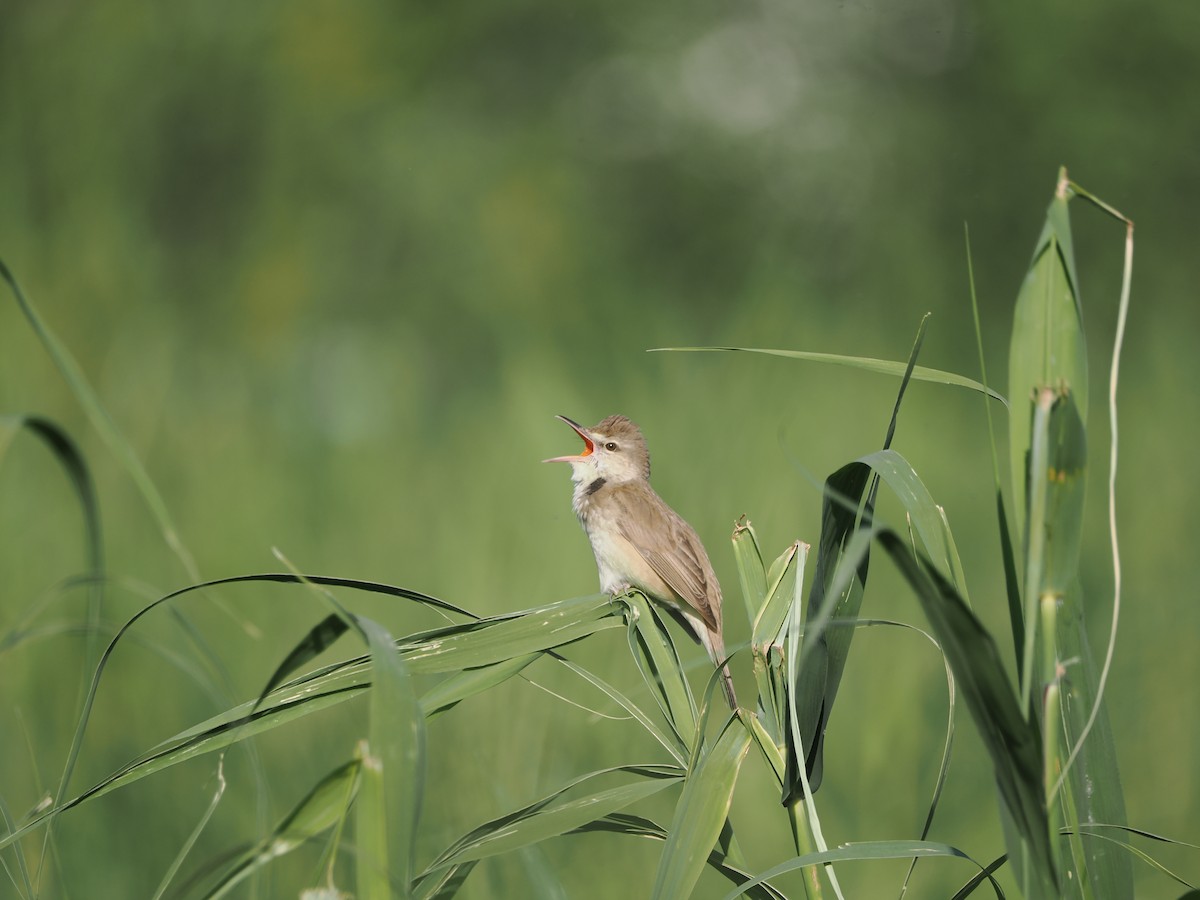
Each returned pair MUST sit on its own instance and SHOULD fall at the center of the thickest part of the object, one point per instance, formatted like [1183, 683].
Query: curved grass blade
[555, 814]
[701, 813]
[1136, 832]
[370, 587]
[322, 636]
[948, 743]
[70, 457]
[927, 517]
[322, 688]
[866, 850]
[1140, 854]
[449, 880]
[499, 638]
[444, 883]
[1013, 744]
[866, 363]
[1097, 829]
[636, 826]
[460, 647]
[672, 744]
[102, 422]
[117, 444]
[657, 659]
[980, 877]
[453, 690]
[947, 747]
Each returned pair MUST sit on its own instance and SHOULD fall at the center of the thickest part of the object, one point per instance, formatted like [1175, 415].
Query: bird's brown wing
[672, 549]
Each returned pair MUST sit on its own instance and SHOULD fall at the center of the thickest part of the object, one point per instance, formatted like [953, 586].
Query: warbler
[638, 540]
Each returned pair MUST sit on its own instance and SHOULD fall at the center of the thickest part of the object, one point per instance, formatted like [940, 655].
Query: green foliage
[325, 807]
[1051, 751]
[1048, 371]
[701, 812]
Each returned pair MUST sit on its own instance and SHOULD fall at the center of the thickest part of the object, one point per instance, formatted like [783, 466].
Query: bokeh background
[334, 267]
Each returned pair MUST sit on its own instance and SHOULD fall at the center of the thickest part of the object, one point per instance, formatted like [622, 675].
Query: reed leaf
[864, 363]
[1048, 445]
[557, 813]
[701, 813]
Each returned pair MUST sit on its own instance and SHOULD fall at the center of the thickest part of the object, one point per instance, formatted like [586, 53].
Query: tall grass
[1035, 695]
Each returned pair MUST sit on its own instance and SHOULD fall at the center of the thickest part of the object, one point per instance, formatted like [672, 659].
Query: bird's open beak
[588, 445]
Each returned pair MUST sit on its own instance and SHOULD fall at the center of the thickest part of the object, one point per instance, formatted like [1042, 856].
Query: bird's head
[613, 450]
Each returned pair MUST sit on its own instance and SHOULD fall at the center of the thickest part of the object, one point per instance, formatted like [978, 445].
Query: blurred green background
[333, 268]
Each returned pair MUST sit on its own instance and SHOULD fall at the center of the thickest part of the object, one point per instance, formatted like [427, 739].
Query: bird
[638, 540]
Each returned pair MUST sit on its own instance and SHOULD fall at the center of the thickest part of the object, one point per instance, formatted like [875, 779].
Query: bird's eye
[610, 446]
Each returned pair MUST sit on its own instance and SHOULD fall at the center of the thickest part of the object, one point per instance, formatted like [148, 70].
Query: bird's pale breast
[619, 563]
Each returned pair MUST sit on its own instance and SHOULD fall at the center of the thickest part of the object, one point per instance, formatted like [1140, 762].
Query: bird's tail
[726, 678]
[715, 645]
